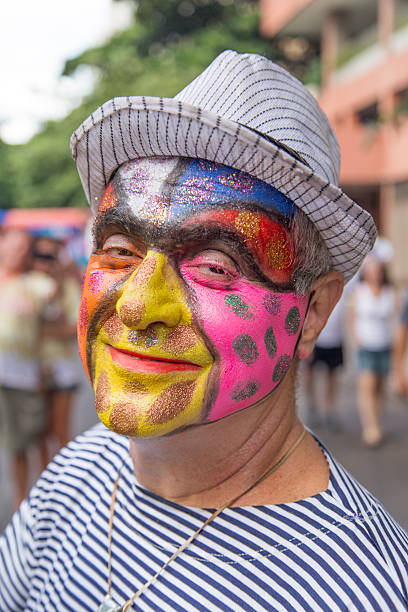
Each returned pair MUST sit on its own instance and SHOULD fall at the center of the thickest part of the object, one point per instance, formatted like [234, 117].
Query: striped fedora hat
[246, 112]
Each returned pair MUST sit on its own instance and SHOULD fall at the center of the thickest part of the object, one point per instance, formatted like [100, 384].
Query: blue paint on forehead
[205, 183]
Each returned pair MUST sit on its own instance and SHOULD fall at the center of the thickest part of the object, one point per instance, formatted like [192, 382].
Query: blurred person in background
[23, 297]
[328, 354]
[58, 349]
[372, 310]
[400, 349]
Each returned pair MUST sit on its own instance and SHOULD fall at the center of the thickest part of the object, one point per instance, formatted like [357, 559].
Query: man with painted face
[221, 244]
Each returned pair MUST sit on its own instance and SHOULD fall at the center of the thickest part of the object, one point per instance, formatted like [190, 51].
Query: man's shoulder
[88, 461]
[87, 448]
[352, 508]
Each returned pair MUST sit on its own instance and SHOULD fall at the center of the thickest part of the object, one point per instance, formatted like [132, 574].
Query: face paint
[180, 322]
[264, 238]
[254, 347]
[109, 199]
[149, 365]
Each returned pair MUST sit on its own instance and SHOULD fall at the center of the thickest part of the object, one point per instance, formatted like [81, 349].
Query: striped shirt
[337, 550]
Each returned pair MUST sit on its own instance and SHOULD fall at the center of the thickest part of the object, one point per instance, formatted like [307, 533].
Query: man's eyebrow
[210, 230]
[197, 238]
[116, 218]
[261, 206]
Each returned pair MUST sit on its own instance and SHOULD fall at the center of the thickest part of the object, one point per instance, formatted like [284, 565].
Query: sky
[36, 37]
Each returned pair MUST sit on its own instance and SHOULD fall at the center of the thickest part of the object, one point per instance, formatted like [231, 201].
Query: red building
[364, 91]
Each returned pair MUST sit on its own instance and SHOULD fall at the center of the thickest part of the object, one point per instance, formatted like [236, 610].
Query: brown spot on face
[102, 393]
[131, 312]
[171, 402]
[133, 386]
[123, 418]
[113, 327]
[179, 339]
[144, 272]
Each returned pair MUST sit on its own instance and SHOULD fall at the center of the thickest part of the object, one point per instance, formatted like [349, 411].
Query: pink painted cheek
[254, 332]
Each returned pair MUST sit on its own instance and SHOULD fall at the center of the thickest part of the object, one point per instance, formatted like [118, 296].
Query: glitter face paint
[147, 343]
[187, 312]
[254, 348]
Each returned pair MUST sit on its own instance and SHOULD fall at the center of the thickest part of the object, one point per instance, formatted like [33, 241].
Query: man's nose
[153, 294]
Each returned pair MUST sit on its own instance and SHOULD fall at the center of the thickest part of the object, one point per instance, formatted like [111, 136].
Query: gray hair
[312, 259]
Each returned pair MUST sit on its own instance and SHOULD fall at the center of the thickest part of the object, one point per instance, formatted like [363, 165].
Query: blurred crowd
[39, 299]
[369, 329]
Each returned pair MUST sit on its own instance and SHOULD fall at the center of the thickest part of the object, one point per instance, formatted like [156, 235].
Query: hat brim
[136, 127]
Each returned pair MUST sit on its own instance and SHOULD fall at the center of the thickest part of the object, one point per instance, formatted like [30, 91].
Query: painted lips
[137, 362]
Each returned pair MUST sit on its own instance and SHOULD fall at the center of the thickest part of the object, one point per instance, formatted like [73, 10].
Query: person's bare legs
[369, 399]
[329, 415]
[20, 473]
[379, 406]
[61, 402]
[309, 380]
[44, 440]
[43, 450]
[58, 433]
[330, 392]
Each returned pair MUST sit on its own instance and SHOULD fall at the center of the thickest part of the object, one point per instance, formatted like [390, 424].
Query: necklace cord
[126, 607]
[112, 512]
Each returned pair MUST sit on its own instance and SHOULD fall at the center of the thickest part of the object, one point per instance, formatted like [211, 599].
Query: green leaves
[168, 44]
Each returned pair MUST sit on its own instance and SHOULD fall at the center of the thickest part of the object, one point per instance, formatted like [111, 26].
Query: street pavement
[383, 471]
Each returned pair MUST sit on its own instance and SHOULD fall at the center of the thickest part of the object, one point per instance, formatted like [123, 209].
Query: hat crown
[245, 112]
[257, 93]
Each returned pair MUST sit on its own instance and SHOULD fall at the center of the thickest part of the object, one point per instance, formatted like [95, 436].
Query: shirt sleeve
[16, 559]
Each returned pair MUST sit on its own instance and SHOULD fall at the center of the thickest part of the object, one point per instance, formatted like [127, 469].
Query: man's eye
[118, 252]
[117, 257]
[218, 270]
[212, 269]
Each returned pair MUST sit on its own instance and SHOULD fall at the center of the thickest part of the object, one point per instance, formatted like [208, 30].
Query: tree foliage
[7, 178]
[168, 43]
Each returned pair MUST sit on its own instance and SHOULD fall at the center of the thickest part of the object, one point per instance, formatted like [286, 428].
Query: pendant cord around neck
[126, 607]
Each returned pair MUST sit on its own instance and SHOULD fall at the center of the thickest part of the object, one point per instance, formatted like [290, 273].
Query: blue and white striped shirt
[338, 550]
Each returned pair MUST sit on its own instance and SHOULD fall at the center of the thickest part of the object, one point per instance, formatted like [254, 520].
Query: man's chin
[144, 430]
[145, 404]
[140, 414]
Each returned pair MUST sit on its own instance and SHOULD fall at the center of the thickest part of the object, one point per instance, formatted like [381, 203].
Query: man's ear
[325, 293]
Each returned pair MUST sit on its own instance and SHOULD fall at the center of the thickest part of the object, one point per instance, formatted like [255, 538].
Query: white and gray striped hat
[246, 112]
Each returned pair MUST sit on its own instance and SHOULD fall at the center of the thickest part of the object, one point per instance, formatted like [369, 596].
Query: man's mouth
[137, 362]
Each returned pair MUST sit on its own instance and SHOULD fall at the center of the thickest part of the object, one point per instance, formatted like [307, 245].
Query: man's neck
[207, 465]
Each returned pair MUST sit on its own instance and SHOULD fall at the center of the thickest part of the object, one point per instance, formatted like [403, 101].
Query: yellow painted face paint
[150, 363]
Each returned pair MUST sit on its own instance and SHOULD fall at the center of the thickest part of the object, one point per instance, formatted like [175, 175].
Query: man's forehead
[175, 204]
[152, 175]
[152, 186]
